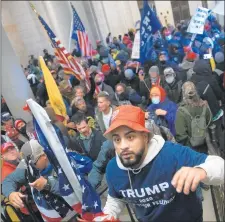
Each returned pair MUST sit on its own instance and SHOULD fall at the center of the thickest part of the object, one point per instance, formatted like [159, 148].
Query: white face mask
[169, 79]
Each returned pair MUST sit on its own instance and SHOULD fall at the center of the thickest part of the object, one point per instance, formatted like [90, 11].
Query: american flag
[66, 60]
[91, 204]
[80, 35]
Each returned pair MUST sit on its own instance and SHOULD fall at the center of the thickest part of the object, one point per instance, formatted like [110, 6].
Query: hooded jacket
[203, 72]
[133, 83]
[183, 124]
[173, 90]
[169, 119]
[149, 187]
[7, 168]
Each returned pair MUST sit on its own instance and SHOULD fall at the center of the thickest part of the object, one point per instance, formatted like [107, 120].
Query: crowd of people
[122, 122]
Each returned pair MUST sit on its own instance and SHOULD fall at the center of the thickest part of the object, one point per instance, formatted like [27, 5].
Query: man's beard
[133, 162]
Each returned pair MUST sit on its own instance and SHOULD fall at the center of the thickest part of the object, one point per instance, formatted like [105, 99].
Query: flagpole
[33, 8]
[71, 28]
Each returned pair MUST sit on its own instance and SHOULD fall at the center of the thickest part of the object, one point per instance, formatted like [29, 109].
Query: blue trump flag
[149, 26]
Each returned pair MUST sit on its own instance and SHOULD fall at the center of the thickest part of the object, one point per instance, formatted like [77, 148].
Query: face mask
[168, 37]
[154, 79]
[98, 83]
[169, 79]
[155, 100]
[23, 129]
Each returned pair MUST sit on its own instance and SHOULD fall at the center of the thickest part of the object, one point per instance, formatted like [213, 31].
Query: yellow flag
[212, 63]
[54, 95]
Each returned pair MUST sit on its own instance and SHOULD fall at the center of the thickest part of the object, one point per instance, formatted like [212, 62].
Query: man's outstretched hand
[188, 178]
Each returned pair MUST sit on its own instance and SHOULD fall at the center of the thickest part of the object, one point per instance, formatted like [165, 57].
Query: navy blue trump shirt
[150, 191]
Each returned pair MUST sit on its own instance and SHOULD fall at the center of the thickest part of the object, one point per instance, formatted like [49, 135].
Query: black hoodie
[203, 72]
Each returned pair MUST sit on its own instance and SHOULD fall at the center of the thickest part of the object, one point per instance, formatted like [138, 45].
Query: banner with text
[197, 22]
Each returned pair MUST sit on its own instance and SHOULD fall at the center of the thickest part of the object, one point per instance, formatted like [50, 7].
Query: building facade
[171, 12]
[99, 18]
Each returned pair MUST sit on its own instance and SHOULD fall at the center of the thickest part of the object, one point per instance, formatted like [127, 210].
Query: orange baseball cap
[130, 116]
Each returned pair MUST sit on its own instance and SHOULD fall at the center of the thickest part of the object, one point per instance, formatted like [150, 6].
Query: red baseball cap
[17, 122]
[105, 68]
[5, 146]
[130, 116]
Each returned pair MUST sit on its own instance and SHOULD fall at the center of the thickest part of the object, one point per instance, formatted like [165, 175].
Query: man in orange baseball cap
[158, 177]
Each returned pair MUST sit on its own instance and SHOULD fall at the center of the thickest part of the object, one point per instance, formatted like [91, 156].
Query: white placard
[198, 21]
[136, 47]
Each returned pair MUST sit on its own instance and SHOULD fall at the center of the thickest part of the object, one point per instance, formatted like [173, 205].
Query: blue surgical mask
[155, 100]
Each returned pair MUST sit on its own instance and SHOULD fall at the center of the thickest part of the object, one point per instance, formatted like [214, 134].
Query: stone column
[15, 87]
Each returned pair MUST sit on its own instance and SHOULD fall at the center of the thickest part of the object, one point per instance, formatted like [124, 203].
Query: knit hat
[219, 57]
[105, 68]
[191, 56]
[129, 73]
[169, 72]
[154, 69]
[159, 91]
[32, 150]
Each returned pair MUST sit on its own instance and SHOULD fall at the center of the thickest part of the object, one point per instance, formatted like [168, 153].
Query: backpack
[198, 127]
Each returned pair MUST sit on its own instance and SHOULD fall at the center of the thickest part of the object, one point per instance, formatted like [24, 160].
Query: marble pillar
[15, 87]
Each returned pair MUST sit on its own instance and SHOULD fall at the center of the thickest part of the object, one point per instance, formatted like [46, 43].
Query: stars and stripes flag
[65, 59]
[80, 35]
[73, 187]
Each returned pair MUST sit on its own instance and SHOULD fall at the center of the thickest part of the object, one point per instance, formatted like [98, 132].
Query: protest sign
[136, 46]
[197, 22]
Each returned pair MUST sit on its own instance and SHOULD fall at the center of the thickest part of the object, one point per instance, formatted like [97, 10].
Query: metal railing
[217, 147]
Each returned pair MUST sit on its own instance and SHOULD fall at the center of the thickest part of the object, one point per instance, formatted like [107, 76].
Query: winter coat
[169, 119]
[188, 68]
[130, 96]
[183, 125]
[89, 96]
[206, 93]
[106, 153]
[10, 184]
[96, 142]
[133, 83]
[174, 91]
[99, 119]
[7, 168]
[145, 86]
[112, 79]
[42, 94]
[203, 72]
